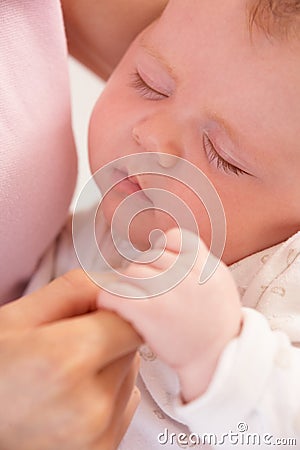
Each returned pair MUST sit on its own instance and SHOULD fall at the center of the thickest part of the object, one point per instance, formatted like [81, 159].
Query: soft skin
[242, 93]
[86, 396]
[211, 311]
[204, 89]
[67, 371]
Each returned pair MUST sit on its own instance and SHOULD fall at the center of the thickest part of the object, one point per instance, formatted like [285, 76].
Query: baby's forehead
[195, 48]
[276, 19]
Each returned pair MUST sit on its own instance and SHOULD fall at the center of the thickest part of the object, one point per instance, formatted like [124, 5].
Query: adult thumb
[70, 295]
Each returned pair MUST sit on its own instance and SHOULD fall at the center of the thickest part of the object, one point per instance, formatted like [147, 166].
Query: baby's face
[194, 85]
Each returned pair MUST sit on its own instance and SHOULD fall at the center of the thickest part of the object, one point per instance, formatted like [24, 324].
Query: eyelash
[221, 163]
[148, 92]
[144, 89]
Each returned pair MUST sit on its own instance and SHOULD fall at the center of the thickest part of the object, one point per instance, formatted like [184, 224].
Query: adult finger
[127, 400]
[88, 343]
[128, 415]
[69, 295]
[126, 390]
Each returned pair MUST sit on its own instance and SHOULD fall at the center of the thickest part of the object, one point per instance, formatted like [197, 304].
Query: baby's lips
[134, 180]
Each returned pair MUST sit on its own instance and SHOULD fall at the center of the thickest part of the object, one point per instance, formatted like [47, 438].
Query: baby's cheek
[101, 133]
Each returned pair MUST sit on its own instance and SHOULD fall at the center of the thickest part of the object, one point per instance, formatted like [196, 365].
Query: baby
[217, 84]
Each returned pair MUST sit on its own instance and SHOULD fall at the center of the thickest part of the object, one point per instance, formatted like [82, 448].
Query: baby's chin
[139, 229]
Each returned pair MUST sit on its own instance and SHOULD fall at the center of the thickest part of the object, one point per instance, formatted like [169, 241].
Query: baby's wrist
[196, 376]
[195, 379]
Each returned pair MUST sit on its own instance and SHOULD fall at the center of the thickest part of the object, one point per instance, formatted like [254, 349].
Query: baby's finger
[138, 310]
[142, 283]
[160, 259]
[178, 240]
[192, 251]
[169, 247]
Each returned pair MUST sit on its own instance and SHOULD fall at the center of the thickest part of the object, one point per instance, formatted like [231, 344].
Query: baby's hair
[279, 18]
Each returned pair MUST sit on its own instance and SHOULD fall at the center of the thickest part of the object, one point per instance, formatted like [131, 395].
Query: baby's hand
[188, 326]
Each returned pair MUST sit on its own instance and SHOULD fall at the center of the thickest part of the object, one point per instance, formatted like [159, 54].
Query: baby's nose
[155, 136]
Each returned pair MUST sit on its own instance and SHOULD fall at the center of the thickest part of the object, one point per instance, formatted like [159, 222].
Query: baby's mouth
[127, 184]
[134, 180]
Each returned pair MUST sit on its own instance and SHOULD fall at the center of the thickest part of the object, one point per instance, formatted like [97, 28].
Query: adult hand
[99, 32]
[67, 372]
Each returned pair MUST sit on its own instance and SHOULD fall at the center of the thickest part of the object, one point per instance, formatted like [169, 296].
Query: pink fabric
[37, 152]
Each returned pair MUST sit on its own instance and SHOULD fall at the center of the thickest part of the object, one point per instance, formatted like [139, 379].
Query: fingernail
[137, 361]
[136, 392]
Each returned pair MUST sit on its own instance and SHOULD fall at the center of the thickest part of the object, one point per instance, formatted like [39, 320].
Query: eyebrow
[152, 51]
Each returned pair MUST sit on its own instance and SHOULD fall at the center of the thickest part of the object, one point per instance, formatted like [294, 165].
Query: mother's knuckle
[97, 419]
